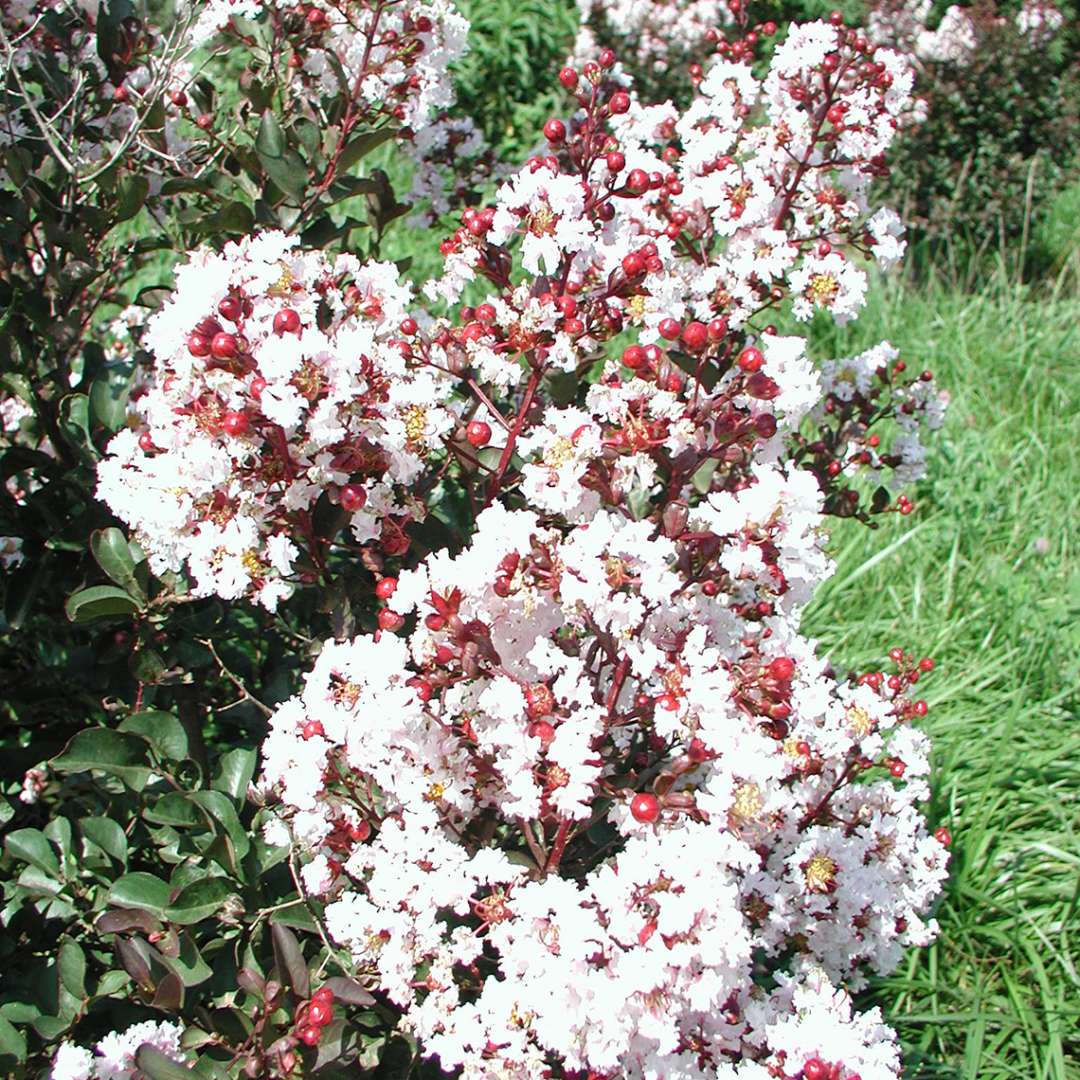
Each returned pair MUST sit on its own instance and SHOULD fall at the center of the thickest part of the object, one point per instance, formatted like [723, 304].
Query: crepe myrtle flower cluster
[113, 1058]
[278, 380]
[588, 803]
[755, 195]
[559, 815]
[652, 36]
[953, 36]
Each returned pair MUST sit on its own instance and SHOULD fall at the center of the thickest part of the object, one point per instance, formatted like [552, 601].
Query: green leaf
[38, 883]
[51, 1027]
[71, 962]
[199, 901]
[75, 424]
[280, 162]
[234, 772]
[291, 174]
[291, 965]
[110, 549]
[639, 502]
[31, 846]
[232, 219]
[397, 1059]
[131, 194]
[58, 830]
[703, 476]
[147, 665]
[161, 730]
[338, 1041]
[349, 187]
[362, 145]
[298, 917]
[99, 602]
[119, 753]
[109, 394]
[19, 1012]
[19, 385]
[218, 805]
[175, 808]
[159, 1067]
[107, 835]
[111, 982]
[12, 1042]
[189, 964]
[140, 890]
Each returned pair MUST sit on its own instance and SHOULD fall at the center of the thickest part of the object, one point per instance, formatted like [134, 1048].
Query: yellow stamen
[822, 289]
[820, 874]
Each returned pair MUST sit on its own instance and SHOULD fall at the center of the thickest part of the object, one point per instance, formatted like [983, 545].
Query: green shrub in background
[506, 82]
[1001, 137]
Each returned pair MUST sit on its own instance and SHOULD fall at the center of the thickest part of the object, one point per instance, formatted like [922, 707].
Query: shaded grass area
[984, 577]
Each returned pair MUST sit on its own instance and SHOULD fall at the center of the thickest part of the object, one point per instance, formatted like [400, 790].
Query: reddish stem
[519, 423]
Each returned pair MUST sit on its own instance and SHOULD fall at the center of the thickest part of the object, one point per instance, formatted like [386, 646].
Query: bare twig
[236, 680]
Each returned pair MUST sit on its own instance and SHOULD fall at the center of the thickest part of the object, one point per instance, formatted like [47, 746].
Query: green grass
[985, 578]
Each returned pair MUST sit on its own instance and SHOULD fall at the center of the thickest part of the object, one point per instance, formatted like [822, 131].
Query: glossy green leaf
[279, 161]
[218, 805]
[175, 808]
[110, 548]
[75, 424]
[99, 602]
[111, 982]
[71, 962]
[159, 1067]
[12, 1042]
[131, 193]
[31, 846]
[361, 145]
[109, 395]
[147, 665]
[107, 834]
[58, 830]
[115, 752]
[161, 730]
[232, 219]
[199, 901]
[189, 963]
[140, 890]
[233, 772]
[38, 883]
